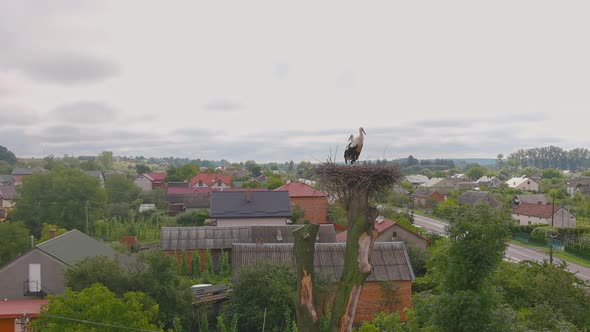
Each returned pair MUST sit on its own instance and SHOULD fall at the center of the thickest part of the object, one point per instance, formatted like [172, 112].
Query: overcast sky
[277, 80]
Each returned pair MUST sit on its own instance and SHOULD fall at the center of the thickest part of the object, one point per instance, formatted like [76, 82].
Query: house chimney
[52, 233]
[248, 195]
[32, 241]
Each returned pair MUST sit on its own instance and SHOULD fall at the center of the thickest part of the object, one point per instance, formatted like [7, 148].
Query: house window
[394, 235]
[529, 222]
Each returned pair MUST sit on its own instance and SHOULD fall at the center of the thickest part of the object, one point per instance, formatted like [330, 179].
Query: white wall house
[531, 214]
[143, 182]
[523, 183]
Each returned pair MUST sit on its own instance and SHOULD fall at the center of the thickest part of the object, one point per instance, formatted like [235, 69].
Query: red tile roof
[14, 308]
[298, 189]
[155, 177]
[210, 179]
[535, 210]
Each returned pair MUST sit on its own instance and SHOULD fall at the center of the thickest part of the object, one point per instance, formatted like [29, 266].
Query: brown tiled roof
[535, 210]
[210, 179]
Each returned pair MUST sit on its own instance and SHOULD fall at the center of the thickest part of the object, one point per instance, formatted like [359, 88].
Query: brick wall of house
[372, 300]
[314, 208]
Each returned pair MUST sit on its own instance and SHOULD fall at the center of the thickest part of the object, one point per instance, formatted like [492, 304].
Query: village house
[388, 288]
[215, 239]
[427, 198]
[210, 180]
[40, 271]
[15, 315]
[151, 181]
[245, 207]
[7, 194]
[583, 190]
[416, 179]
[530, 199]
[489, 182]
[441, 185]
[531, 214]
[19, 173]
[572, 185]
[313, 202]
[389, 230]
[475, 197]
[523, 183]
[466, 185]
[6, 179]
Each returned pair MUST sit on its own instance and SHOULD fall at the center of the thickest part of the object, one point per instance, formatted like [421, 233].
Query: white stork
[353, 149]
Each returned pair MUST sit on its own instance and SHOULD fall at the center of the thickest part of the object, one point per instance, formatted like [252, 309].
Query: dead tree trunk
[304, 250]
[361, 236]
[353, 186]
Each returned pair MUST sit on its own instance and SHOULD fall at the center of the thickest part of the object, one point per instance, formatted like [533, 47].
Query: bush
[193, 218]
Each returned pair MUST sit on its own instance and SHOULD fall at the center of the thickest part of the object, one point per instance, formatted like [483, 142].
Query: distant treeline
[551, 157]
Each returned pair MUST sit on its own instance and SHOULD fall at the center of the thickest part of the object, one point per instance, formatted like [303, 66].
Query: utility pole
[551, 236]
[86, 208]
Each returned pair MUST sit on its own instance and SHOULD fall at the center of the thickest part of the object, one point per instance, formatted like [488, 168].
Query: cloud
[222, 105]
[85, 112]
[68, 69]
[14, 115]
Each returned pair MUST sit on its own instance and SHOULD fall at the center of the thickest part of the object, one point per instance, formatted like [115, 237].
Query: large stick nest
[343, 180]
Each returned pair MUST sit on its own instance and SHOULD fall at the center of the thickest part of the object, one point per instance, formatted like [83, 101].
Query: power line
[97, 323]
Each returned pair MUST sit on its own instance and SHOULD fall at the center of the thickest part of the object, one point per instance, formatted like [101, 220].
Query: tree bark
[361, 235]
[304, 251]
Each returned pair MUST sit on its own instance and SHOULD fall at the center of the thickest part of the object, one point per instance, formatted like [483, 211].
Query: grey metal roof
[390, 260]
[6, 179]
[416, 178]
[473, 197]
[235, 204]
[532, 199]
[217, 237]
[75, 246]
[28, 171]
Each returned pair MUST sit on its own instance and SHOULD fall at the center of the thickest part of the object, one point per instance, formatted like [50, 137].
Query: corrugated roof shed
[390, 260]
[250, 204]
[75, 246]
[216, 237]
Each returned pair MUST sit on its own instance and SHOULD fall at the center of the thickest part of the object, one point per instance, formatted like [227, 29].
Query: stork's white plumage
[354, 148]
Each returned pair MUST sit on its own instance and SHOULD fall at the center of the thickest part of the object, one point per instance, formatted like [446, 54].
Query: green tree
[7, 155]
[46, 234]
[142, 168]
[106, 159]
[552, 173]
[156, 196]
[196, 265]
[476, 172]
[99, 269]
[183, 173]
[305, 170]
[273, 182]
[121, 189]
[252, 167]
[94, 309]
[183, 263]
[209, 267]
[531, 288]
[61, 197]
[224, 269]
[15, 240]
[261, 287]
[478, 237]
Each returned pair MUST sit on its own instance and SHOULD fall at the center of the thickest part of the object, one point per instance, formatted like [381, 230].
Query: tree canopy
[59, 197]
[15, 241]
[7, 155]
[96, 309]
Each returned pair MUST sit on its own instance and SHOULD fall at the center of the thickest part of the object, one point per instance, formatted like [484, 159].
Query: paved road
[514, 253]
